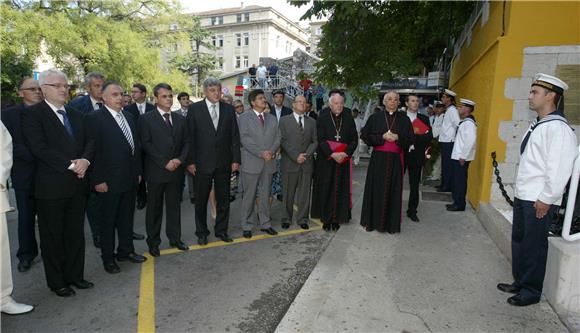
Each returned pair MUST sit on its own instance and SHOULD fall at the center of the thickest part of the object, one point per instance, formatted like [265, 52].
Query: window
[221, 63]
[247, 17]
[238, 39]
[220, 20]
[238, 62]
[213, 41]
[318, 31]
[220, 41]
[246, 62]
[213, 20]
[277, 41]
[239, 17]
[246, 38]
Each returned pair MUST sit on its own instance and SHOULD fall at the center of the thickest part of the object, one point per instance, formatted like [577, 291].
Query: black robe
[381, 209]
[331, 201]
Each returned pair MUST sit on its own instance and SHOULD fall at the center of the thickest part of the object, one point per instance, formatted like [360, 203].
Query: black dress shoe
[270, 231]
[24, 265]
[202, 240]
[180, 245]
[64, 292]
[326, 226]
[508, 288]
[335, 226]
[97, 241]
[413, 217]
[455, 209]
[304, 226]
[285, 225]
[247, 234]
[369, 229]
[137, 236]
[154, 251]
[449, 205]
[132, 257]
[225, 238]
[83, 284]
[279, 197]
[112, 267]
[517, 300]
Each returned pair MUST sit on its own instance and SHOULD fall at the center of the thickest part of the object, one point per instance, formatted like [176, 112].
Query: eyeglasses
[165, 96]
[37, 89]
[57, 86]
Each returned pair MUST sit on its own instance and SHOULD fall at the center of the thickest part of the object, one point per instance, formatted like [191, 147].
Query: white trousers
[5, 266]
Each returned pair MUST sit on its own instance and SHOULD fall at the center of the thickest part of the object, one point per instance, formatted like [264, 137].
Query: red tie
[261, 119]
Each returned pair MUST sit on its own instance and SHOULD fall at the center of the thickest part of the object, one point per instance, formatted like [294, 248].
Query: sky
[293, 13]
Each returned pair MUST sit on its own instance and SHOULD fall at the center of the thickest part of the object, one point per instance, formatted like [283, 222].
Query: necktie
[167, 121]
[214, 116]
[140, 108]
[261, 117]
[300, 124]
[99, 106]
[67, 123]
[126, 131]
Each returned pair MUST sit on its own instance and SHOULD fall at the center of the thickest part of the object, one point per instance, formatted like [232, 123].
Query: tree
[125, 40]
[193, 61]
[365, 42]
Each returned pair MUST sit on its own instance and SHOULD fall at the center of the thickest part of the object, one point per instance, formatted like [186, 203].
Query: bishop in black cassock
[390, 133]
[331, 198]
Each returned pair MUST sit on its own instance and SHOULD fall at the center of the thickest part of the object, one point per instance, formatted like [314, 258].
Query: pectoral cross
[337, 137]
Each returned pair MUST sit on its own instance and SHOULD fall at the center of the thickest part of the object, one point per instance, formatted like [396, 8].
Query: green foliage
[365, 42]
[123, 39]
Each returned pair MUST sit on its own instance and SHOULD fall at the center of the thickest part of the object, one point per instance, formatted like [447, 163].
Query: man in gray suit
[298, 141]
[260, 139]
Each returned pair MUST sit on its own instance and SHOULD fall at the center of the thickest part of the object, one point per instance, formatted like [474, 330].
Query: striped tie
[126, 131]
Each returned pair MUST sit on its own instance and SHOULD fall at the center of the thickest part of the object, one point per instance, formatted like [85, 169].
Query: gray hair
[391, 92]
[50, 72]
[211, 82]
[91, 75]
[334, 96]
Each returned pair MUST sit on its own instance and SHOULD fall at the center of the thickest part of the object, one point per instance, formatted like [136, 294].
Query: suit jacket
[24, 166]
[134, 111]
[82, 104]
[53, 149]
[421, 143]
[115, 163]
[213, 149]
[255, 139]
[295, 142]
[162, 144]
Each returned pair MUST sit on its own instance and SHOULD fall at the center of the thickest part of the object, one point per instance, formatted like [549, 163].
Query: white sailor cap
[550, 82]
[438, 103]
[467, 102]
[449, 93]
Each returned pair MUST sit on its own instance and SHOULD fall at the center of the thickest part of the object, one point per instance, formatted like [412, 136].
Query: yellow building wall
[482, 68]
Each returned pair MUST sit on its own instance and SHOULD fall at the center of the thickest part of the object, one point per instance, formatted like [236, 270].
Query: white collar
[209, 104]
[113, 112]
[297, 117]
[163, 112]
[258, 113]
[54, 107]
[94, 101]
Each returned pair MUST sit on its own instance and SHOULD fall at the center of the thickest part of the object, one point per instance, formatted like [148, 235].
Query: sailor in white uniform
[463, 153]
[547, 155]
[447, 134]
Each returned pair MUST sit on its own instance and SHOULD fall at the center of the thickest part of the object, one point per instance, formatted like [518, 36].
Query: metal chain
[499, 181]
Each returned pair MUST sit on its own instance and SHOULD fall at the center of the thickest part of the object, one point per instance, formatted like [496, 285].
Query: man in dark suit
[115, 174]
[214, 154]
[22, 173]
[56, 137]
[279, 110]
[139, 95]
[347, 111]
[88, 104]
[415, 157]
[166, 145]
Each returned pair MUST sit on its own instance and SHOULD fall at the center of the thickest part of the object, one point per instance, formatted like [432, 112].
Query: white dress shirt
[449, 125]
[142, 107]
[297, 118]
[464, 147]
[115, 115]
[94, 103]
[546, 163]
[278, 112]
[412, 116]
[436, 127]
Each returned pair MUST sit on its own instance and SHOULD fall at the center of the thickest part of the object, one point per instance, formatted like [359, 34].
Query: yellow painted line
[146, 312]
